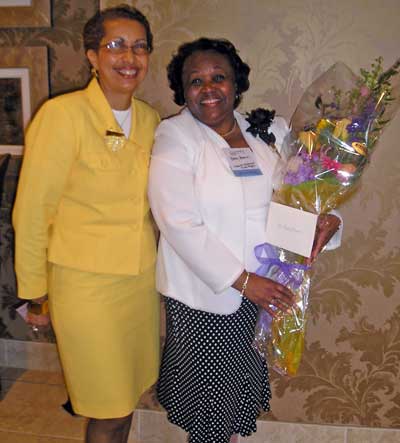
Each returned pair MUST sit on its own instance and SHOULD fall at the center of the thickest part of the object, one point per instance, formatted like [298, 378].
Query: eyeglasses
[119, 47]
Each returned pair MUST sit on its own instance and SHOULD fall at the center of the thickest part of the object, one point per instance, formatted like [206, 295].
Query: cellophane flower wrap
[334, 131]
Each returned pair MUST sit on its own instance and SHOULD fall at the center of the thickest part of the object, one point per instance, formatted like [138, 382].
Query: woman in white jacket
[211, 208]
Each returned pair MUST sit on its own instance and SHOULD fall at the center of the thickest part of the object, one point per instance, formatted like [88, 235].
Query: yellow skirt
[107, 330]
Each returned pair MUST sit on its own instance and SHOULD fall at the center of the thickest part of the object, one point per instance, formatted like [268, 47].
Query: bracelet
[38, 308]
[245, 284]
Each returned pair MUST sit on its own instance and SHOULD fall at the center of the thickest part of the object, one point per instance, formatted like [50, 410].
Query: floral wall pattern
[68, 70]
[351, 366]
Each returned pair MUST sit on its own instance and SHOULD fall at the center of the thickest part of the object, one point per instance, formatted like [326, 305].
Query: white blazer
[199, 207]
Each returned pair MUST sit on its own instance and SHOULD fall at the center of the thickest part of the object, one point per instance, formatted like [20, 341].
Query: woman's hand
[265, 293]
[38, 319]
[327, 226]
[38, 312]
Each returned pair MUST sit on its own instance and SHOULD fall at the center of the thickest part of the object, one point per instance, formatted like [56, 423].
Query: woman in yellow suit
[83, 229]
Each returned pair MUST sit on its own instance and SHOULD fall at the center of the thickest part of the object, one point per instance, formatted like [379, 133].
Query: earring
[95, 72]
[237, 95]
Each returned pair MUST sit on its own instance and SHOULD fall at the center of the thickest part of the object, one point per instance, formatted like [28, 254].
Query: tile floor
[31, 412]
[30, 409]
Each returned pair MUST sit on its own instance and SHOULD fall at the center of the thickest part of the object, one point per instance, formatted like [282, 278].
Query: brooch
[114, 140]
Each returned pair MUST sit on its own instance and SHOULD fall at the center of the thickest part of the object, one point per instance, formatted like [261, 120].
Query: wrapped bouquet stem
[334, 131]
[282, 338]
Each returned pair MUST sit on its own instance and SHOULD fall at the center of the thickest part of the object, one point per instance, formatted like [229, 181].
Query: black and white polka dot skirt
[212, 382]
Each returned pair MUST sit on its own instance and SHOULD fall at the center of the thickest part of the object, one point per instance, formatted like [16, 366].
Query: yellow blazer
[79, 204]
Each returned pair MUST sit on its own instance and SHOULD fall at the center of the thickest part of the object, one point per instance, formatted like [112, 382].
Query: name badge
[242, 162]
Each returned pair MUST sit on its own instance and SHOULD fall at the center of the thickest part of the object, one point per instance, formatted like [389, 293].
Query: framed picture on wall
[15, 2]
[24, 85]
[15, 107]
[25, 13]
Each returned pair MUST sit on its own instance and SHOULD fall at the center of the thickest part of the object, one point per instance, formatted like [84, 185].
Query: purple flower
[304, 172]
[356, 125]
[361, 123]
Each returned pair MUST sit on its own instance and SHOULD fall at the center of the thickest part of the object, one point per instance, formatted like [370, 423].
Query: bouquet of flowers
[334, 131]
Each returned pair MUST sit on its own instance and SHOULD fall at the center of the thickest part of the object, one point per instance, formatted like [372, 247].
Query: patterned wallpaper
[351, 366]
[67, 70]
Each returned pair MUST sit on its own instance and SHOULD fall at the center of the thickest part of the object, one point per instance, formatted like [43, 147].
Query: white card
[291, 229]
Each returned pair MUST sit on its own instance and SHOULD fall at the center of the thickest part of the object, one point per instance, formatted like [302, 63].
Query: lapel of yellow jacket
[105, 117]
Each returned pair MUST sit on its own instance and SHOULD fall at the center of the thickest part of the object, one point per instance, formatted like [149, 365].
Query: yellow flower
[308, 139]
[324, 123]
[360, 148]
[340, 130]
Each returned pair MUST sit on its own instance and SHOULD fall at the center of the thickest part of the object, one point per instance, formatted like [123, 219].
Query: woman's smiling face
[209, 89]
[120, 74]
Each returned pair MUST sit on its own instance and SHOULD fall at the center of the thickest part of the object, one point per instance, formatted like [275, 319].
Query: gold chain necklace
[231, 131]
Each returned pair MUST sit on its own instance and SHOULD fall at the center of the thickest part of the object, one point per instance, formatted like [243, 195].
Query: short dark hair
[94, 30]
[222, 46]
